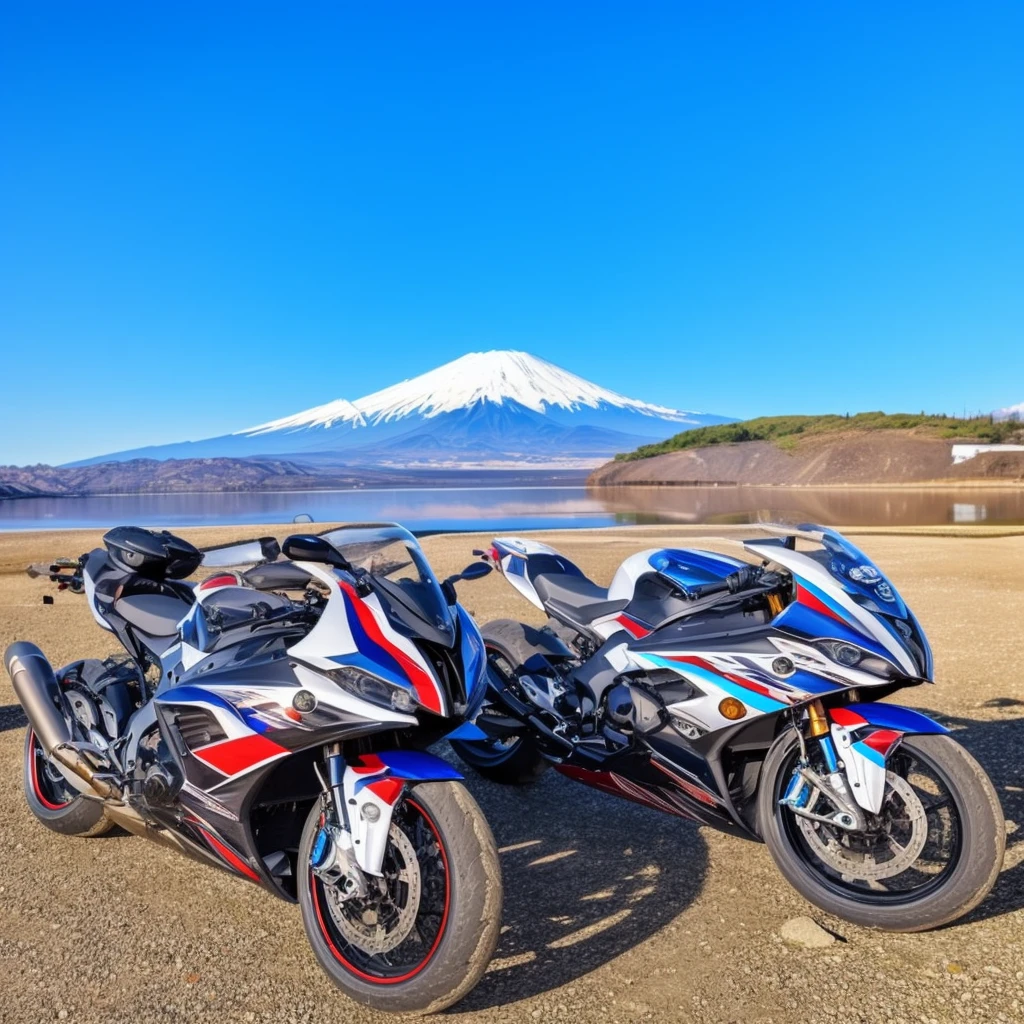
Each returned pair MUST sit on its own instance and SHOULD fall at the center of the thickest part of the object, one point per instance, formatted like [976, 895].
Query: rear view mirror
[473, 571]
[304, 547]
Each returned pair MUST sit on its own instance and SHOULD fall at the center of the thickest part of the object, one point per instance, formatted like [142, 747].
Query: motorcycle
[743, 694]
[274, 723]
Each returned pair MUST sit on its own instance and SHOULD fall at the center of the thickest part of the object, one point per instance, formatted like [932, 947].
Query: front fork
[806, 784]
[363, 794]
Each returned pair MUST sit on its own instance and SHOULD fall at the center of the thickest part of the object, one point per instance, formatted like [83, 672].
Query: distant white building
[963, 452]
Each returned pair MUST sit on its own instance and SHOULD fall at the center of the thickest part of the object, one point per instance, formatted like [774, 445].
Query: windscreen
[846, 563]
[400, 575]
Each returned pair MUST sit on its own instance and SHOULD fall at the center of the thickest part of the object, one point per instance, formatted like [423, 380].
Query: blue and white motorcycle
[283, 738]
[743, 694]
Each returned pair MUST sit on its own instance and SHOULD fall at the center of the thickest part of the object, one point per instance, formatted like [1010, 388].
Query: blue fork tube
[829, 753]
[335, 778]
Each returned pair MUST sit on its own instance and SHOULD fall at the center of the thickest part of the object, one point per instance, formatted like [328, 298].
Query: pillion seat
[575, 597]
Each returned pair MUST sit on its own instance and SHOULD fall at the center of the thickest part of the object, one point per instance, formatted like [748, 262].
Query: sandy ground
[613, 913]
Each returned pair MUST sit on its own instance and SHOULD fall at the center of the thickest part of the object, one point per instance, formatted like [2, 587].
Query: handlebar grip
[735, 581]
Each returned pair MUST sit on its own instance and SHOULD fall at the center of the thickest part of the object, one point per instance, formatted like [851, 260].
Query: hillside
[871, 448]
[149, 476]
[787, 432]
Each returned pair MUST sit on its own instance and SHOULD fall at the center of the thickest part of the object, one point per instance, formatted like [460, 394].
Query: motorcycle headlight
[374, 689]
[852, 656]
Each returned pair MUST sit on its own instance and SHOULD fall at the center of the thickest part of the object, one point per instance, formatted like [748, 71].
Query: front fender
[372, 785]
[865, 736]
[886, 716]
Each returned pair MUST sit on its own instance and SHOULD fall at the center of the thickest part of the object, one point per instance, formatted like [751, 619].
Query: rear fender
[372, 785]
[865, 736]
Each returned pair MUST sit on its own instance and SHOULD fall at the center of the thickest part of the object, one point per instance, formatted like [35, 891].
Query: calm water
[507, 508]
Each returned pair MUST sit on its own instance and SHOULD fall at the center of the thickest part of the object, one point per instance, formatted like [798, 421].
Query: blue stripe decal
[756, 700]
[383, 662]
[871, 755]
[807, 623]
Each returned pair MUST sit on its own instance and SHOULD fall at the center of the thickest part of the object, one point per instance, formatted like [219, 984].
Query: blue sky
[213, 215]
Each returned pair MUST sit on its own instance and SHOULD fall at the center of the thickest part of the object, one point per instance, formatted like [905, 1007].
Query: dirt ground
[613, 913]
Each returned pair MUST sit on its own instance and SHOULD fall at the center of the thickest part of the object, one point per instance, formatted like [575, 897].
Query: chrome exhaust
[39, 694]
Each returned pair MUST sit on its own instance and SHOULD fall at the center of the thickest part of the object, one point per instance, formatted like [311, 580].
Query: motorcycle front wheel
[930, 856]
[423, 936]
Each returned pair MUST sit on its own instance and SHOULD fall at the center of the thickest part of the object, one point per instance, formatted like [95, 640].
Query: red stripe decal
[367, 764]
[230, 856]
[747, 684]
[846, 718]
[35, 751]
[233, 756]
[389, 790]
[805, 597]
[223, 580]
[632, 626]
[883, 740]
[422, 683]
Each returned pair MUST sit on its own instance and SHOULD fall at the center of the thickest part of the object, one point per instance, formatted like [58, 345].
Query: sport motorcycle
[274, 723]
[742, 693]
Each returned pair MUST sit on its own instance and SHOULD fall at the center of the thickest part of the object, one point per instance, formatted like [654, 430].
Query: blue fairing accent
[892, 716]
[474, 660]
[808, 623]
[516, 566]
[693, 568]
[467, 731]
[196, 694]
[416, 766]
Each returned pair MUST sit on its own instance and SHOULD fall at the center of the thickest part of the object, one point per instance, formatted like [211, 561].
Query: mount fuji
[485, 409]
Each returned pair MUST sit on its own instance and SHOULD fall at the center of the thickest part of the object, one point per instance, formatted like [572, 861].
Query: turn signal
[732, 709]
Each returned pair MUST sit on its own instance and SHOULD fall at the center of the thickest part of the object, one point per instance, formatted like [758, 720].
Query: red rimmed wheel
[56, 804]
[424, 933]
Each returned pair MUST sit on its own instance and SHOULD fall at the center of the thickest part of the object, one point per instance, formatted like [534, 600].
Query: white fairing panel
[807, 568]
[624, 580]
[513, 553]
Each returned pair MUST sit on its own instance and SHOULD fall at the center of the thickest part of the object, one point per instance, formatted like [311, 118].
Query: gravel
[613, 913]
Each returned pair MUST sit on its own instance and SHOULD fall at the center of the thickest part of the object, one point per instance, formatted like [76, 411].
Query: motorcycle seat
[154, 614]
[575, 597]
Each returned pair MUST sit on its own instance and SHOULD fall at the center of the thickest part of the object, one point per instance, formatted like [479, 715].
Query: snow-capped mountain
[485, 408]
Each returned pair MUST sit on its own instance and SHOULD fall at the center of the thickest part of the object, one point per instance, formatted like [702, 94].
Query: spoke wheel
[929, 856]
[906, 849]
[390, 934]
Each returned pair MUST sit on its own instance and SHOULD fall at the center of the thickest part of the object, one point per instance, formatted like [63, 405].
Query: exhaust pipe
[39, 694]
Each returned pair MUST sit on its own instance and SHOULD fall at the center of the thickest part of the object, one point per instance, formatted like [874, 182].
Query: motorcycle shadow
[586, 878]
[997, 746]
[12, 716]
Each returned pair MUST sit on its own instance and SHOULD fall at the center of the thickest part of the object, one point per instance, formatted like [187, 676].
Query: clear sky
[211, 216]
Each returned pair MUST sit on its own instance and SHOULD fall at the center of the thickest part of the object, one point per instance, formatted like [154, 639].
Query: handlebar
[736, 581]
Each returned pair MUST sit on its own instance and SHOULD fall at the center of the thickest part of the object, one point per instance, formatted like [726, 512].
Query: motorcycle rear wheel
[445, 950]
[54, 802]
[958, 856]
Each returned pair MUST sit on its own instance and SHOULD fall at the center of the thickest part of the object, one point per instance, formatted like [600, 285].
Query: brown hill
[852, 457]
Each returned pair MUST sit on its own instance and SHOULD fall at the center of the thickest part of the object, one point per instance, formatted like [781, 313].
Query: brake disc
[864, 865]
[362, 921]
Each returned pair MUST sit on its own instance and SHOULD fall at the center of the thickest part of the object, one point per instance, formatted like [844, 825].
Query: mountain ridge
[484, 409]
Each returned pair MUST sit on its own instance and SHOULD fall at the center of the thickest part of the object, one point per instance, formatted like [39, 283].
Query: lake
[525, 508]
